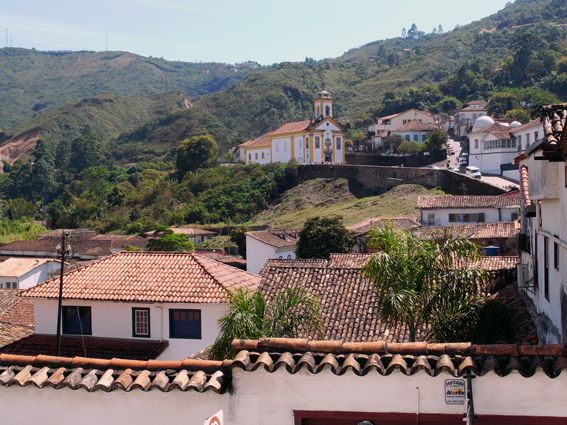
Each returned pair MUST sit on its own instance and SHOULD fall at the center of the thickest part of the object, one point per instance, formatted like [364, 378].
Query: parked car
[473, 172]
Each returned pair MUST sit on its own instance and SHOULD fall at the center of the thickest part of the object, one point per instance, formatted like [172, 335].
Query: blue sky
[265, 31]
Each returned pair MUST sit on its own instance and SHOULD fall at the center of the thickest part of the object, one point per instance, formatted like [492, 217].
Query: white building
[264, 245]
[296, 382]
[401, 122]
[195, 234]
[463, 121]
[494, 145]
[543, 240]
[315, 141]
[451, 210]
[23, 273]
[173, 298]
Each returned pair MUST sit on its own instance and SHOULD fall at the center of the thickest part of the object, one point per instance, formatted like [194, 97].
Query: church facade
[319, 140]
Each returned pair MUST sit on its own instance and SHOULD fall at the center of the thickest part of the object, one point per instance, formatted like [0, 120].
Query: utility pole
[62, 249]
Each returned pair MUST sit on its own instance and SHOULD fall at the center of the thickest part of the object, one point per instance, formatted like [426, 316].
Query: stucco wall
[257, 253]
[261, 398]
[491, 215]
[114, 320]
[381, 179]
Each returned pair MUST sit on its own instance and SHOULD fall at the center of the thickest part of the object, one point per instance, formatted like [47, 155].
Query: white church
[319, 140]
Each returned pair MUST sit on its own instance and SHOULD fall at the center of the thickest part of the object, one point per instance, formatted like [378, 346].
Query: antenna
[107, 42]
[11, 40]
[7, 37]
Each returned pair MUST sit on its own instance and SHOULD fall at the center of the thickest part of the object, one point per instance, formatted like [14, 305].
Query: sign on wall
[455, 391]
[216, 419]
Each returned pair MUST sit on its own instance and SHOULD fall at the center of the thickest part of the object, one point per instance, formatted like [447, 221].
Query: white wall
[281, 149]
[257, 253]
[489, 162]
[38, 275]
[257, 156]
[491, 215]
[114, 320]
[261, 397]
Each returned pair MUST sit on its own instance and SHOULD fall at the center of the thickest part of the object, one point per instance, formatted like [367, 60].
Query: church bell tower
[323, 105]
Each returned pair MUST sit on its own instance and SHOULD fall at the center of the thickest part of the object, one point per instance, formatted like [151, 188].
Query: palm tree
[251, 316]
[421, 283]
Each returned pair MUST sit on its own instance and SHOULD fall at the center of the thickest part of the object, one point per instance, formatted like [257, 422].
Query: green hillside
[32, 81]
[327, 198]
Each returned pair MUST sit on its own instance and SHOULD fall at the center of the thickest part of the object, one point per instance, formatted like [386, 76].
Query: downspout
[470, 417]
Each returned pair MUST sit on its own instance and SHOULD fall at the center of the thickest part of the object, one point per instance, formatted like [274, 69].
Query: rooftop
[149, 277]
[502, 229]
[292, 127]
[263, 140]
[468, 201]
[277, 240]
[16, 317]
[71, 346]
[416, 126]
[16, 267]
[402, 223]
[81, 247]
[533, 123]
[192, 231]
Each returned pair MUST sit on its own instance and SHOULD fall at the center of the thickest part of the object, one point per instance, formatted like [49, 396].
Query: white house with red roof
[412, 124]
[157, 303]
[318, 140]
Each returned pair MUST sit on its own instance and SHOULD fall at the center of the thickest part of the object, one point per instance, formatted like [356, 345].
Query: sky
[230, 31]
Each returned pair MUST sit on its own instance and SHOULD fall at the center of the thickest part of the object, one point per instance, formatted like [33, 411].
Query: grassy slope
[321, 197]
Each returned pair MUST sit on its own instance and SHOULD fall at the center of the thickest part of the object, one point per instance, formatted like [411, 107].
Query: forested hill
[521, 47]
[32, 81]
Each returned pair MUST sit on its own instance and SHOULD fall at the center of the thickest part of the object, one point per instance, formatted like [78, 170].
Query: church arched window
[317, 142]
[327, 110]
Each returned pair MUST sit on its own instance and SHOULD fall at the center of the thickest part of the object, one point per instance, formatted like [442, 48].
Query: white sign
[455, 391]
[216, 419]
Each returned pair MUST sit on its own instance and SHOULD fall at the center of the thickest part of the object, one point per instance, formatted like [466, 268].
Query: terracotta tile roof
[473, 109]
[498, 130]
[102, 348]
[492, 263]
[263, 140]
[350, 261]
[273, 239]
[122, 241]
[92, 374]
[149, 277]
[73, 233]
[402, 223]
[362, 358]
[192, 231]
[525, 327]
[416, 126]
[525, 186]
[10, 333]
[554, 120]
[533, 123]
[17, 266]
[292, 127]
[498, 230]
[48, 247]
[467, 201]
[349, 308]
[16, 310]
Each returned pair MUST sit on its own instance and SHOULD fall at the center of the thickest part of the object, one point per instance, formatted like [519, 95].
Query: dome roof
[324, 93]
[515, 124]
[483, 122]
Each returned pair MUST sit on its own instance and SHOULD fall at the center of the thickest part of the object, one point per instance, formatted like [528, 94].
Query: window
[289, 257]
[416, 138]
[77, 320]
[430, 219]
[514, 216]
[467, 218]
[306, 143]
[546, 268]
[528, 139]
[249, 157]
[556, 255]
[519, 141]
[338, 143]
[407, 137]
[141, 322]
[277, 146]
[317, 142]
[327, 110]
[476, 144]
[185, 323]
[536, 136]
[263, 154]
[256, 155]
[404, 122]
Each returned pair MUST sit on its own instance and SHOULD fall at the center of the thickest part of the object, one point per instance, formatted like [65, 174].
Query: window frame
[555, 255]
[172, 311]
[134, 333]
[546, 267]
[64, 323]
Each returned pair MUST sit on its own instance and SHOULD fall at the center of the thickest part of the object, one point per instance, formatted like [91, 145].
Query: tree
[196, 152]
[409, 147]
[412, 32]
[251, 315]
[440, 29]
[422, 283]
[501, 102]
[518, 114]
[87, 150]
[172, 242]
[322, 236]
[437, 139]
[404, 33]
